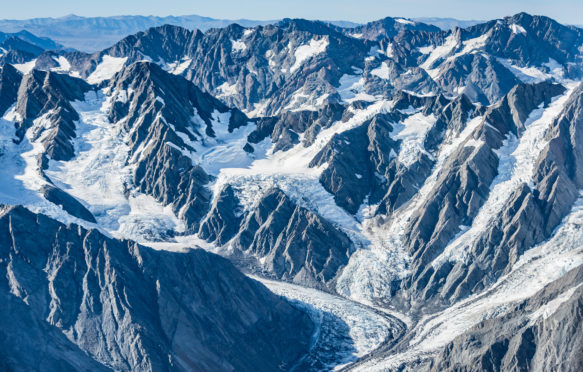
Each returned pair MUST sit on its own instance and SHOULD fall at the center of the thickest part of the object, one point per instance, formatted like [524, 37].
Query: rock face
[461, 189]
[387, 28]
[294, 243]
[192, 311]
[354, 159]
[9, 83]
[223, 220]
[522, 341]
[166, 116]
[46, 96]
[67, 202]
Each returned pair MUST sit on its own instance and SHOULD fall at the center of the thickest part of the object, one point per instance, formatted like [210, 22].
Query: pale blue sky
[566, 11]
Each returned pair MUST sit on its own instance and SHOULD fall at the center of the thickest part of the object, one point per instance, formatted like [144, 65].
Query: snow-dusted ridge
[371, 319]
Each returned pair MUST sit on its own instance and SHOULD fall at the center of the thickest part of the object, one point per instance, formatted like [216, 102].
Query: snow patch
[305, 52]
[64, 65]
[106, 69]
[517, 29]
[238, 46]
[26, 67]
[404, 21]
[383, 71]
[412, 132]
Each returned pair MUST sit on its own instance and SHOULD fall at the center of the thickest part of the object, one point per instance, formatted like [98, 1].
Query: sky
[565, 11]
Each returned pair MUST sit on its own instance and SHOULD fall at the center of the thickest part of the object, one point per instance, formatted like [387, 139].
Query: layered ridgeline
[417, 192]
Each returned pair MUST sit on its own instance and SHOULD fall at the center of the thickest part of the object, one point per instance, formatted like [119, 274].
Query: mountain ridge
[404, 190]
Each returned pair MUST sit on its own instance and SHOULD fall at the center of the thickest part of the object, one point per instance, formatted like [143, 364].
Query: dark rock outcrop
[49, 94]
[132, 308]
[224, 218]
[164, 115]
[295, 244]
[513, 342]
[67, 202]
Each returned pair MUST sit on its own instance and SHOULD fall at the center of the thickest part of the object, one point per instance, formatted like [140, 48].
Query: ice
[238, 46]
[290, 172]
[390, 51]
[26, 67]
[20, 168]
[367, 328]
[525, 74]
[535, 269]
[64, 65]
[404, 21]
[412, 132]
[100, 176]
[106, 69]
[532, 74]
[555, 69]
[437, 53]
[426, 49]
[305, 52]
[352, 89]
[552, 306]
[382, 71]
[367, 277]
[225, 150]
[179, 67]
[444, 52]
[226, 90]
[259, 109]
[518, 158]
[517, 29]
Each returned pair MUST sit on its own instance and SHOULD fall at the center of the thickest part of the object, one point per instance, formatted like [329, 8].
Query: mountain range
[90, 34]
[292, 195]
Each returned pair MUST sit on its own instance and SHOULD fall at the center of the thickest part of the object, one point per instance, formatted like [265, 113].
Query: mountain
[21, 47]
[387, 196]
[190, 310]
[90, 34]
[388, 27]
[447, 23]
[95, 33]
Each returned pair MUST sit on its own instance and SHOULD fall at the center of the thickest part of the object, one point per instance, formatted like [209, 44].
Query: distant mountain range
[447, 23]
[90, 34]
[95, 33]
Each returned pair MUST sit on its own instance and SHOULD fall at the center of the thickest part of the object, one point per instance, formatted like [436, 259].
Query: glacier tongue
[346, 330]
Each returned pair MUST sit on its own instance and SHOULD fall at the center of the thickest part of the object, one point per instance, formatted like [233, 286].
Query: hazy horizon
[564, 11]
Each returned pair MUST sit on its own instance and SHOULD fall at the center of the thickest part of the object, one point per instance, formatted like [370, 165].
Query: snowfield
[305, 52]
[106, 69]
[100, 175]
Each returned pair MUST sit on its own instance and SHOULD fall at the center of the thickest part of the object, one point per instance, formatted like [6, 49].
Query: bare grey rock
[191, 311]
[295, 244]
